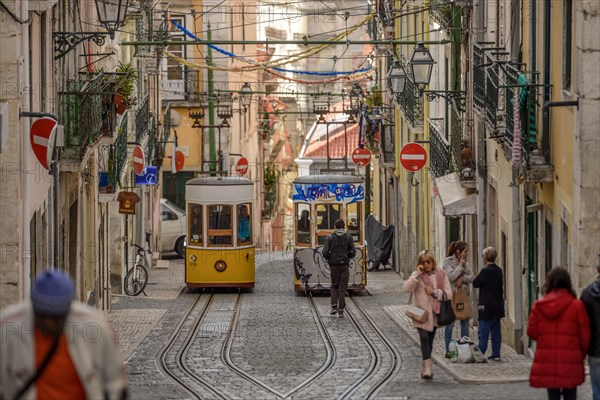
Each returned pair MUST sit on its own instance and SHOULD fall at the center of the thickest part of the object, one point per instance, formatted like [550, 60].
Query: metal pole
[368, 190]
[211, 108]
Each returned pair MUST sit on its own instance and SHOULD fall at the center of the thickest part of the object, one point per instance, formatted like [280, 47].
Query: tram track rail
[376, 356]
[328, 364]
[180, 354]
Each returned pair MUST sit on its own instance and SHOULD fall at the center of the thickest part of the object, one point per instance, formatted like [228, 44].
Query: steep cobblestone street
[278, 343]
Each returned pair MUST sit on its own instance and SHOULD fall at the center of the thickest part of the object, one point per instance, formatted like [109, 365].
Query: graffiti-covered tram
[318, 201]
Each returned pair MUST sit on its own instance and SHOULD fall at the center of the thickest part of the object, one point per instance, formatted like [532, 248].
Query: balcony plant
[125, 84]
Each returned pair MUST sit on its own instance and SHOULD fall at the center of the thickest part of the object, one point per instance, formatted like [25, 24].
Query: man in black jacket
[491, 303]
[338, 251]
[591, 298]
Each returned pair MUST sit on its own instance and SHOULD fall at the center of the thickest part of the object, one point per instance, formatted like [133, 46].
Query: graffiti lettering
[345, 192]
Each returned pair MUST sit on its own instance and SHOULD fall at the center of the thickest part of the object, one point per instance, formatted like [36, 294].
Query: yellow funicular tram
[319, 200]
[220, 250]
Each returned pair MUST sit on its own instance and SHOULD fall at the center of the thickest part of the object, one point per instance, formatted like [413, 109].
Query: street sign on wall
[242, 166]
[139, 161]
[413, 157]
[179, 160]
[42, 134]
[148, 176]
[361, 156]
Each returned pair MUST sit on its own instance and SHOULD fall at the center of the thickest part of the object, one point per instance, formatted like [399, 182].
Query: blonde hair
[426, 255]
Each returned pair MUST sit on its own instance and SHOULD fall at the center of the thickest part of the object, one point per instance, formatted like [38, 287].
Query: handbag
[446, 315]
[415, 313]
[461, 304]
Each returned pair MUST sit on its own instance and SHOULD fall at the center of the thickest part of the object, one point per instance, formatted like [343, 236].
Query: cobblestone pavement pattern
[277, 341]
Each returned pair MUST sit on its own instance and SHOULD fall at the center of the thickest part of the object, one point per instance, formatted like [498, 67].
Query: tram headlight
[220, 265]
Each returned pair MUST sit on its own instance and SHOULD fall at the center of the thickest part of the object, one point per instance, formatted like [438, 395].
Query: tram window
[354, 218]
[303, 224]
[195, 224]
[244, 219]
[327, 214]
[220, 231]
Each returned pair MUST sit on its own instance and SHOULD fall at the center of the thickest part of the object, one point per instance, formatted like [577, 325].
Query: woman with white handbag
[427, 285]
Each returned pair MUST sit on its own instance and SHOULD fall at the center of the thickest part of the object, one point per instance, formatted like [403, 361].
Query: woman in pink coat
[427, 284]
[560, 325]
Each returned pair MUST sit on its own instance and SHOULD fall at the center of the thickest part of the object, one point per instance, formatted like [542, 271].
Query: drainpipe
[517, 276]
[546, 123]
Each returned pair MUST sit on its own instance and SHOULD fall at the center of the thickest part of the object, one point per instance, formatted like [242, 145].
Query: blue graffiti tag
[346, 192]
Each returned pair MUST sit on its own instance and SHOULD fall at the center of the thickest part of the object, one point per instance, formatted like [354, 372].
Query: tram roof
[328, 179]
[219, 181]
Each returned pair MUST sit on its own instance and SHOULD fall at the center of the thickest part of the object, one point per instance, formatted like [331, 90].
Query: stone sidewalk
[513, 367]
[132, 318]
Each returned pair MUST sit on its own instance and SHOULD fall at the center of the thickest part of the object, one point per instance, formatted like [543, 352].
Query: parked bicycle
[137, 277]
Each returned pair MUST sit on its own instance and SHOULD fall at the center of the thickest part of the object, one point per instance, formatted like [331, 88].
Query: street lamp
[396, 79]
[421, 65]
[111, 14]
[246, 95]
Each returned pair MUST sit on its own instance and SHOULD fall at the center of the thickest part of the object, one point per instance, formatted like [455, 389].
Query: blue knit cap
[52, 293]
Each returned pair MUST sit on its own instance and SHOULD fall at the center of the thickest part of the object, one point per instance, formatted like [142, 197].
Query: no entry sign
[179, 160]
[361, 156]
[42, 134]
[139, 162]
[242, 166]
[413, 157]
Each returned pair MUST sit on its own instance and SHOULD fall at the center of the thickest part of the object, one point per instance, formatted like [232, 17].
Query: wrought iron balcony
[441, 11]
[142, 116]
[149, 151]
[461, 148]
[485, 86]
[87, 113]
[411, 104]
[439, 148]
[119, 155]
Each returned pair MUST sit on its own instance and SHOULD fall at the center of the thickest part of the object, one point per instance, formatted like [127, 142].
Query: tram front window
[220, 231]
[244, 223]
[303, 224]
[327, 214]
[354, 218]
[195, 224]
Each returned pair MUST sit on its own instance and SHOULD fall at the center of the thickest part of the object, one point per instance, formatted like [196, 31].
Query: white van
[173, 227]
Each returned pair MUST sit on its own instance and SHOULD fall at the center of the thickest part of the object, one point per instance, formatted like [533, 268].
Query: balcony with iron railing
[462, 158]
[87, 112]
[119, 155]
[411, 104]
[142, 117]
[439, 148]
[441, 11]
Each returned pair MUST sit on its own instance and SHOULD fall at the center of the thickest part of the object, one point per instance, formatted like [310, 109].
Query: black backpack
[338, 250]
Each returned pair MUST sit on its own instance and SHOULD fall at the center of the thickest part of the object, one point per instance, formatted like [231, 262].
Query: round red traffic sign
[242, 166]
[179, 160]
[361, 156]
[413, 157]
[139, 162]
[42, 135]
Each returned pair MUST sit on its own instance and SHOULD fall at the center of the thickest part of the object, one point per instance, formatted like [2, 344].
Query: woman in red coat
[560, 325]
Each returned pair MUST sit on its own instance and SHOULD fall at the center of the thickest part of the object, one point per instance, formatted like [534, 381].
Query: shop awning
[456, 200]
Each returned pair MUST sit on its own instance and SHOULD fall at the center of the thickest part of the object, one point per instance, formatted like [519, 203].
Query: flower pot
[118, 100]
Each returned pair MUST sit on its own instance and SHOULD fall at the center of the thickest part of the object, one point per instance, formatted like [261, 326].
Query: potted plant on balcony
[125, 83]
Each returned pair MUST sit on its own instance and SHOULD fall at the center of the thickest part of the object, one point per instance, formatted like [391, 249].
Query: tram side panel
[311, 271]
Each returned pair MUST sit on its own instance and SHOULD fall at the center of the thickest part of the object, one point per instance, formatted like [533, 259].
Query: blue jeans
[594, 363]
[487, 327]
[464, 331]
